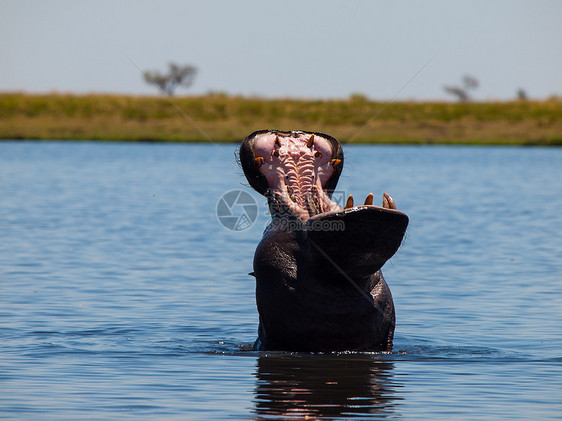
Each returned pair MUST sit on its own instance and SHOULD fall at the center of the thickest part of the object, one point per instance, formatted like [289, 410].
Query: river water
[123, 295]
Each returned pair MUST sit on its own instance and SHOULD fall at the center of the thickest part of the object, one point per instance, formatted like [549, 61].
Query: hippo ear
[248, 161]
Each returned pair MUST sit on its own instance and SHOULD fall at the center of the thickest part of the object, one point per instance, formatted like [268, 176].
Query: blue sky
[311, 49]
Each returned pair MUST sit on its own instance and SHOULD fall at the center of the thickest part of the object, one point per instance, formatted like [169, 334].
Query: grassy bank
[223, 118]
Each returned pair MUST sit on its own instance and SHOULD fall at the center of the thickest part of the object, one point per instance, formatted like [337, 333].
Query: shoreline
[228, 119]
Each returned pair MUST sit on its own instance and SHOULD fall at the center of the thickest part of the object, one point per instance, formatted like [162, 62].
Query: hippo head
[298, 171]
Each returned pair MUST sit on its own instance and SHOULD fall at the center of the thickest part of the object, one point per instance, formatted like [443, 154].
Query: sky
[385, 50]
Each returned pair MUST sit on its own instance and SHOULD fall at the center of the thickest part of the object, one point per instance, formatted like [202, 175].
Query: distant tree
[177, 76]
[461, 92]
[521, 94]
[470, 82]
[358, 97]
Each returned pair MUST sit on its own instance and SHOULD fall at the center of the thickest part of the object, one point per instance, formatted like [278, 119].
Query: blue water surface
[123, 296]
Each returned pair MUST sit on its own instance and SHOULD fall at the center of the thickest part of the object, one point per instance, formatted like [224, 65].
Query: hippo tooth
[335, 162]
[349, 203]
[277, 141]
[388, 202]
[369, 199]
[312, 206]
[308, 206]
[310, 142]
[259, 161]
[276, 153]
[317, 204]
[318, 154]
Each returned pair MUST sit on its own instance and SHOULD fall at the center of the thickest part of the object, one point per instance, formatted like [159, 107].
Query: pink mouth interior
[297, 167]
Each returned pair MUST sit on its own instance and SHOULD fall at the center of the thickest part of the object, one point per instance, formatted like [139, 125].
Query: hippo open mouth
[318, 281]
[297, 171]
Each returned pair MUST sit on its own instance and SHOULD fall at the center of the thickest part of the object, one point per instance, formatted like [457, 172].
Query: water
[122, 295]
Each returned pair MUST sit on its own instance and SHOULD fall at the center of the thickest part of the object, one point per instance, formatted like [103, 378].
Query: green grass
[223, 118]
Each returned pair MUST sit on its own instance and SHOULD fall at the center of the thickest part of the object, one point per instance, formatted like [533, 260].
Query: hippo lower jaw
[317, 268]
[361, 240]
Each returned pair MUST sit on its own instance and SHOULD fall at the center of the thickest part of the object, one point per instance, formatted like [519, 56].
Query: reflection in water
[332, 385]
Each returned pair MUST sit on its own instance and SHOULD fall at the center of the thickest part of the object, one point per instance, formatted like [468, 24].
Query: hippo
[319, 285]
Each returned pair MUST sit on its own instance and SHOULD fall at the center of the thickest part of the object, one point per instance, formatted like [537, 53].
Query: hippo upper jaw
[297, 170]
